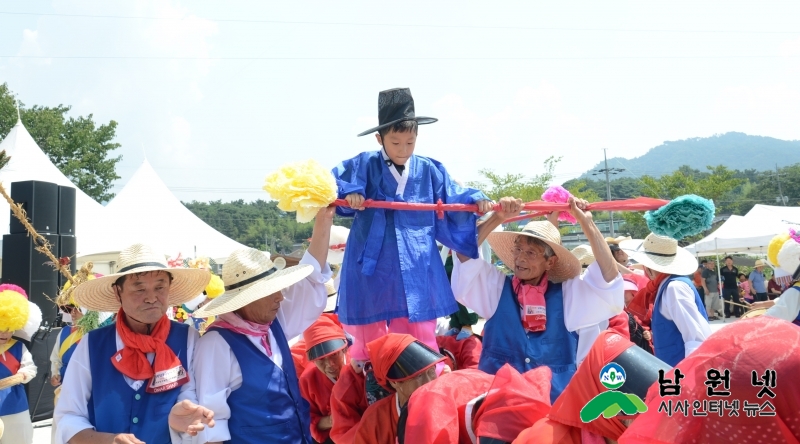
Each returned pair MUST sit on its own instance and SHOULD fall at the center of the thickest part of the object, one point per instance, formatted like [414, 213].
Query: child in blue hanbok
[392, 276]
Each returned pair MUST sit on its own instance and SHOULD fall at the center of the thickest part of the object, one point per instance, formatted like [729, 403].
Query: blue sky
[221, 93]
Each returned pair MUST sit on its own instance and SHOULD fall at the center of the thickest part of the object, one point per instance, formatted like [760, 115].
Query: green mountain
[736, 151]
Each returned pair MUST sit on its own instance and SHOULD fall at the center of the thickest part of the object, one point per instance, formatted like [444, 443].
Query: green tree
[76, 145]
[517, 185]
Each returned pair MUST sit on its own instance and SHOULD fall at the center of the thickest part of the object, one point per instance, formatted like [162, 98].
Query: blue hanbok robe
[392, 268]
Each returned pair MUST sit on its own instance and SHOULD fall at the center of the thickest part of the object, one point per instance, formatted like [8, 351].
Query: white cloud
[30, 47]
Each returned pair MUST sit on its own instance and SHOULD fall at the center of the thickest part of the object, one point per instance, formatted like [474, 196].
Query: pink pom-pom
[795, 235]
[559, 194]
[12, 287]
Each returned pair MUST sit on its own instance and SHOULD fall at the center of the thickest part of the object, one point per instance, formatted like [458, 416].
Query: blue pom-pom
[685, 216]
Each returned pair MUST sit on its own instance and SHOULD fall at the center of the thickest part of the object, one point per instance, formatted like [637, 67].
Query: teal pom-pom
[685, 216]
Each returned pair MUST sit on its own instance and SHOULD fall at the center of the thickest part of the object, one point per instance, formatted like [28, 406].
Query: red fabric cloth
[316, 388]
[348, 404]
[326, 328]
[299, 357]
[384, 351]
[379, 423]
[756, 344]
[467, 351]
[642, 304]
[10, 362]
[585, 385]
[531, 298]
[514, 403]
[132, 361]
[619, 324]
[436, 411]
[547, 431]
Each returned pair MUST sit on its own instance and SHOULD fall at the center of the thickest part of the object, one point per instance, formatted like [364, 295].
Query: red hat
[760, 345]
[397, 357]
[513, 403]
[324, 337]
[438, 411]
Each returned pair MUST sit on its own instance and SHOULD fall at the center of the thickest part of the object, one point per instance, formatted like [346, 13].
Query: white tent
[738, 234]
[29, 162]
[146, 211]
[786, 215]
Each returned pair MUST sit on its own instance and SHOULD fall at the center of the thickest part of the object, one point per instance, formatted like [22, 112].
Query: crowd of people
[352, 352]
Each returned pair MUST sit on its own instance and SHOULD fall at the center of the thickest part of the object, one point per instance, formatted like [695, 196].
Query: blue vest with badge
[13, 399]
[114, 407]
[667, 339]
[268, 406]
[505, 340]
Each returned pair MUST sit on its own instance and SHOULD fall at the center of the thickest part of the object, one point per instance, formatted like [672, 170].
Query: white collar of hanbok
[401, 179]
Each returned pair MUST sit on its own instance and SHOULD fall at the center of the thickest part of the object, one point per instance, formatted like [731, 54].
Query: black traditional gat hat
[394, 106]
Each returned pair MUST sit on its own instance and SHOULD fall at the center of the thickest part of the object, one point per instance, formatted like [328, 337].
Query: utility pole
[607, 172]
[780, 190]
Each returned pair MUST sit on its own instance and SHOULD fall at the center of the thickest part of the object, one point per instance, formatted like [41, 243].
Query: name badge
[535, 310]
[167, 380]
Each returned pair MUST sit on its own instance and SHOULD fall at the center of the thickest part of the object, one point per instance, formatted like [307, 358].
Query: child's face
[742, 278]
[399, 146]
[5, 336]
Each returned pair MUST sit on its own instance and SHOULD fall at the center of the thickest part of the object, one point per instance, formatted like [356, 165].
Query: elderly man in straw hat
[132, 382]
[679, 321]
[547, 313]
[245, 371]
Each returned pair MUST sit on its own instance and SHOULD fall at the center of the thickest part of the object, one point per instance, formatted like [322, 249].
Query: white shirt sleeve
[72, 411]
[26, 366]
[304, 301]
[55, 358]
[787, 306]
[589, 302]
[677, 305]
[477, 285]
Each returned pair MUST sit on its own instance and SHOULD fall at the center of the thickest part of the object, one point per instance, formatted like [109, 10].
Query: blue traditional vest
[267, 407]
[667, 339]
[13, 399]
[796, 286]
[114, 407]
[65, 332]
[505, 340]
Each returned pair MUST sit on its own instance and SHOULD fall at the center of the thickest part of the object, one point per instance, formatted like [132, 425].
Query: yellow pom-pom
[775, 246]
[69, 284]
[302, 187]
[215, 287]
[14, 311]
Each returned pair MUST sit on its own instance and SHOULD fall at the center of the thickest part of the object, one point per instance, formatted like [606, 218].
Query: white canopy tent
[29, 162]
[738, 234]
[785, 215]
[146, 211]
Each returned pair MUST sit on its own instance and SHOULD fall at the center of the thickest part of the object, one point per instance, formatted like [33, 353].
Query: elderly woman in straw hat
[678, 321]
[132, 381]
[245, 371]
[546, 313]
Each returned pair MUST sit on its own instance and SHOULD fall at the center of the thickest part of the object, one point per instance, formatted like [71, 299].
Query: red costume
[379, 423]
[322, 339]
[299, 357]
[348, 404]
[444, 411]
[758, 345]
[467, 351]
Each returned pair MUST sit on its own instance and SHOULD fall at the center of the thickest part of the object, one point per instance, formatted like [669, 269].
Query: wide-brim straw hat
[250, 275]
[333, 296]
[760, 263]
[337, 244]
[567, 266]
[584, 255]
[662, 254]
[98, 294]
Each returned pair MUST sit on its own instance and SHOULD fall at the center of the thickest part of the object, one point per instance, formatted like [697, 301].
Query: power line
[191, 58]
[408, 25]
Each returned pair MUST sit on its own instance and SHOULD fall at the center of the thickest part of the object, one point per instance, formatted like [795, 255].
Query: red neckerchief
[531, 299]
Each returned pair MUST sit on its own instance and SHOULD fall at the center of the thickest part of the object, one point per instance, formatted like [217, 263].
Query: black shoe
[374, 390]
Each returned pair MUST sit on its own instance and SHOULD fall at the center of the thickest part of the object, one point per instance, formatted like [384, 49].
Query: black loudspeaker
[67, 248]
[28, 268]
[39, 390]
[66, 211]
[40, 201]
